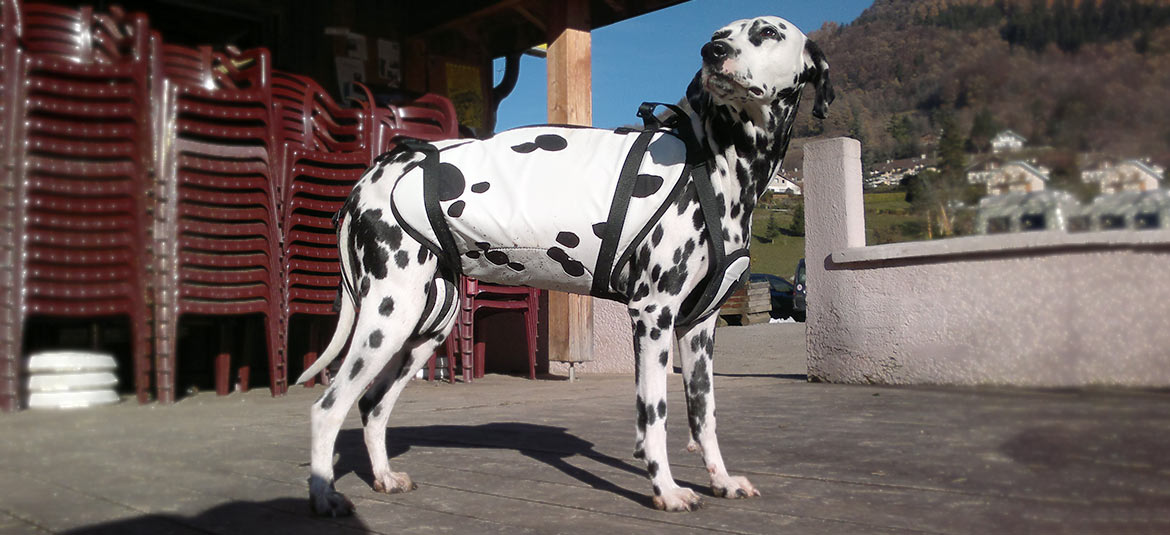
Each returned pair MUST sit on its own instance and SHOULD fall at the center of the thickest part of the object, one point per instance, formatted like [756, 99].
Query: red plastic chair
[430, 117]
[85, 146]
[217, 225]
[477, 295]
[311, 119]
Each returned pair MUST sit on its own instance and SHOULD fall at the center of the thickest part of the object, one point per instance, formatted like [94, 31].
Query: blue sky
[654, 57]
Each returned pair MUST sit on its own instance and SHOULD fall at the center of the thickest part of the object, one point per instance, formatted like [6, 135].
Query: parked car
[780, 290]
[799, 292]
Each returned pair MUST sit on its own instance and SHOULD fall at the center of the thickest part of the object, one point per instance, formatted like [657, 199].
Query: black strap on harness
[616, 220]
[432, 181]
[704, 294]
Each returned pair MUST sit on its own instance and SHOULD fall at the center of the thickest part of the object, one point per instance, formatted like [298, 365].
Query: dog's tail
[345, 317]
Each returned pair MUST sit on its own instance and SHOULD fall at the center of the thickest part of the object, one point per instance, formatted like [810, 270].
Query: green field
[887, 220]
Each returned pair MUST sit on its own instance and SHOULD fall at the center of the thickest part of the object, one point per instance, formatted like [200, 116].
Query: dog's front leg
[652, 351]
[697, 346]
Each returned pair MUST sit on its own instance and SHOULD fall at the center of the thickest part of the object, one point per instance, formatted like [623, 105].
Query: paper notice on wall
[465, 89]
[349, 70]
[390, 62]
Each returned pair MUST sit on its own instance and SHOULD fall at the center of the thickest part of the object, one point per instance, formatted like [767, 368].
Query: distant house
[1008, 177]
[1127, 175]
[1007, 141]
[783, 184]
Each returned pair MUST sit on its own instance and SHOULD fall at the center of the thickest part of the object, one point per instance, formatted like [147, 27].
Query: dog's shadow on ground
[548, 444]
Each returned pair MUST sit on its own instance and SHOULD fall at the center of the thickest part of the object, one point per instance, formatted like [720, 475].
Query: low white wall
[1037, 309]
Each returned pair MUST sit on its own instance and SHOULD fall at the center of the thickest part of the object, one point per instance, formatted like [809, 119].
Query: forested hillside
[1075, 75]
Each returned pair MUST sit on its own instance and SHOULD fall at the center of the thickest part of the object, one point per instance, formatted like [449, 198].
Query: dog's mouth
[726, 85]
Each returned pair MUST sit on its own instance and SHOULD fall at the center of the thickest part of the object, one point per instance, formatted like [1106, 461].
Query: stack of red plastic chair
[326, 151]
[81, 183]
[217, 226]
[10, 237]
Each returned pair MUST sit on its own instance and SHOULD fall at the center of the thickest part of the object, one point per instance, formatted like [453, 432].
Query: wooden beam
[570, 101]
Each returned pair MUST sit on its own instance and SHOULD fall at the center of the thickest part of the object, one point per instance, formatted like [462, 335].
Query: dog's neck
[745, 147]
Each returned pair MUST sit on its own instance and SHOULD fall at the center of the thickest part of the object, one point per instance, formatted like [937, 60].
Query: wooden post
[570, 101]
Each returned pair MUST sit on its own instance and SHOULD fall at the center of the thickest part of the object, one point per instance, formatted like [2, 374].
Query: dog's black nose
[715, 51]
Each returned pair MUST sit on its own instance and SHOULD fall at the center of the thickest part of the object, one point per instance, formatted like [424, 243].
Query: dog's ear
[816, 71]
[696, 96]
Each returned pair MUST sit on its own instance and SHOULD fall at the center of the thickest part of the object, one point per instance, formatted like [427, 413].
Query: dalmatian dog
[659, 219]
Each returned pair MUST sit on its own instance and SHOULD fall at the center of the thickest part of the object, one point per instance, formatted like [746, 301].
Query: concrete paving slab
[508, 455]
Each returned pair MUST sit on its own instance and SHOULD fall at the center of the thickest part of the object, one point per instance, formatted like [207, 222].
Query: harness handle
[652, 122]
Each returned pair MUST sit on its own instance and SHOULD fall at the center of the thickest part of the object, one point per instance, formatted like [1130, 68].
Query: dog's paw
[394, 483]
[330, 503]
[733, 487]
[678, 499]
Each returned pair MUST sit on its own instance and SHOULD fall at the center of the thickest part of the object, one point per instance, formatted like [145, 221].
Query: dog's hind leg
[652, 340]
[697, 346]
[379, 401]
[380, 334]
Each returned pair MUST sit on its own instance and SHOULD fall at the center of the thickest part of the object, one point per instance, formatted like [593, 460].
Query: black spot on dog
[368, 233]
[663, 358]
[328, 399]
[599, 229]
[473, 254]
[516, 266]
[656, 236]
[549, 142]
[480, 187]
[651, 308]
[639, 451]
[377, 174]
[662, 409]
[483, 245]
[375, 339]
[387, 306]
[401, 259]
[646, 185]
[641, 293]
[639, 407]
[652, 468]
[369, 404]
[358, 364]
[498, 258]
[568, 239]
[655, 333]
[456, 208]
[423, 255]
[698, 220]
[655, 273]
[364, 289]
[665, 319]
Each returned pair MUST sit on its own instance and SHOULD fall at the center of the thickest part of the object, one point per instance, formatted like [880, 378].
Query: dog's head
[761, 62]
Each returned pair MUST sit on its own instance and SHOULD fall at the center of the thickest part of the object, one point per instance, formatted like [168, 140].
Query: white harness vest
[558, 207]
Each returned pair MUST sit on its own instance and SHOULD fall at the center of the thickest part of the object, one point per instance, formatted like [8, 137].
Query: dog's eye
[769, 33]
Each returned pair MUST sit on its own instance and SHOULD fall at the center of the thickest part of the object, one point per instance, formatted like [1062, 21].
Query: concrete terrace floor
[507, 455]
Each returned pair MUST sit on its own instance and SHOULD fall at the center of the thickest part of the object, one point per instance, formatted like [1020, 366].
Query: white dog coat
[552, 206]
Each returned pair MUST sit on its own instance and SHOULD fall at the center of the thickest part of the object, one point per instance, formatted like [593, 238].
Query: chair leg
[311, 355]
[479, 350]
[142, 351]
[466, 344]
[530, 324]
[277, 371]
[453, 349]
